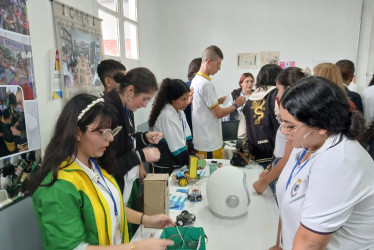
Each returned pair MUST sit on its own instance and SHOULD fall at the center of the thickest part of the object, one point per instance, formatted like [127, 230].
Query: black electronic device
[230, 130]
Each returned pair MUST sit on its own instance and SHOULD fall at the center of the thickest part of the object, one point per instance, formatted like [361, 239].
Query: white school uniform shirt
[207, 129]
[174, 128]
[333, 193]
[280, 144]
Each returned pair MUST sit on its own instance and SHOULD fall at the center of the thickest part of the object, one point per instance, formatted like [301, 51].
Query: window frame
[121, 30]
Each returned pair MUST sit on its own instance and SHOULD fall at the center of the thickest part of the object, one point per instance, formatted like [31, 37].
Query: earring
[302, 143]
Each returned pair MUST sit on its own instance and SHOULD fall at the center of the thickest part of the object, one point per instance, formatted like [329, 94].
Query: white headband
[89, 106]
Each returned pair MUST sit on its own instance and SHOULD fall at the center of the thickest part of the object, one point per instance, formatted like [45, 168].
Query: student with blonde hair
[331, 72]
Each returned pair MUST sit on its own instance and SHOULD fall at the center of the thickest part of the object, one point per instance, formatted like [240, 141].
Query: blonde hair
[331, 72]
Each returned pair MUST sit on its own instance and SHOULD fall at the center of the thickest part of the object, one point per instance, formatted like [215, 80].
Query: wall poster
[247, 61]
[80, 50]
[269, 57]
[19, 120]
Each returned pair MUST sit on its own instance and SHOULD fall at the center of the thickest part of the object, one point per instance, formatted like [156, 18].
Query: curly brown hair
[170, 89]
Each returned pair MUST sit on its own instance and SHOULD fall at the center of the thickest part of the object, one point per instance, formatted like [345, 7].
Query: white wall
[301, 30]
[171, 33]
[365, 61]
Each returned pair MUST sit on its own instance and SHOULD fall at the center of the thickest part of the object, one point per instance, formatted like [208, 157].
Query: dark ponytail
[121, 78]
[356, 125]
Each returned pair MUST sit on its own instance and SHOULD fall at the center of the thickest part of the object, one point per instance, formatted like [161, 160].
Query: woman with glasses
[77, 202]
[326, 190]
[168, 117]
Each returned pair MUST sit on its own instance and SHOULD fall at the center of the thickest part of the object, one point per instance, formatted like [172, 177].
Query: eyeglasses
[106, 132]
[289, 129]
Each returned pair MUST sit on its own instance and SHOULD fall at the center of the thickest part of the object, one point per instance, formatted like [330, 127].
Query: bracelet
[141, 219]
[236, 105]
[132, 245]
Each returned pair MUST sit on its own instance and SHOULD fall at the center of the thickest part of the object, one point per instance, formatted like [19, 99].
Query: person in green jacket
[78, 204]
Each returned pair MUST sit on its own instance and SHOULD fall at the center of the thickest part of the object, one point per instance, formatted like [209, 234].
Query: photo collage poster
[80, 50]
[19, 120]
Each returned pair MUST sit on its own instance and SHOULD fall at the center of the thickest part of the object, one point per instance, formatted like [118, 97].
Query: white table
[256, 230]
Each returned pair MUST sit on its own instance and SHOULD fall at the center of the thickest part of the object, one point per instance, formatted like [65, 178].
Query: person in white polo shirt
[326, 190]
[206, 113]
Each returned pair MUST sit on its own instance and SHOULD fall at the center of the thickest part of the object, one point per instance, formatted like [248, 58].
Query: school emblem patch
[296, 188]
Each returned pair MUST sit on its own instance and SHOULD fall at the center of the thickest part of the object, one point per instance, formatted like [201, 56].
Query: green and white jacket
[73, 211]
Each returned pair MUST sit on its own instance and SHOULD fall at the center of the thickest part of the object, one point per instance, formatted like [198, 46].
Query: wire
[175, 235]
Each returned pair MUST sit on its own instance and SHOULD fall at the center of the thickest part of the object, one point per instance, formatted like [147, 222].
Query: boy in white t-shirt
[206, 113]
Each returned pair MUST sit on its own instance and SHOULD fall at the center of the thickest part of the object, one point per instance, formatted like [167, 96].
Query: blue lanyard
[106, 186]
[297, 163]
[128, 115]
[184, 136]
[131, 135]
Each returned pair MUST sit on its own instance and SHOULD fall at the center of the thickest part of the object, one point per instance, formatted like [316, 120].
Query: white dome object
[227, 193]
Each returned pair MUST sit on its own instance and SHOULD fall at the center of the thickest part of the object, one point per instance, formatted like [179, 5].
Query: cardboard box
[156, 194]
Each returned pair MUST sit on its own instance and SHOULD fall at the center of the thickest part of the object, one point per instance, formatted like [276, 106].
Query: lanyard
[184, 135]
[297, 163]
[131, 135]
[106, 186]
[128, 115]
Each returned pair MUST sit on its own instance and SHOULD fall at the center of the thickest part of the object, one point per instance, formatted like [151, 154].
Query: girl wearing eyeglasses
[326, 190]
[77, 202]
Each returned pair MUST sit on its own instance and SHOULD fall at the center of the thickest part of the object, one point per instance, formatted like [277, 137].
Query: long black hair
[170, 90]
[267, 75]
[318, 102]
[63, 144]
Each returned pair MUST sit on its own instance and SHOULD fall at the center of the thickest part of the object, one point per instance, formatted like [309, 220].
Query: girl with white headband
[77, 202]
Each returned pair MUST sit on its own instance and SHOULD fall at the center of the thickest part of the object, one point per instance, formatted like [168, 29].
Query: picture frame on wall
[79, 42]
[19, 119]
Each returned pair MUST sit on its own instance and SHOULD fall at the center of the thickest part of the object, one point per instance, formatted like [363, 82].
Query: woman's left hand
[158, 221]
[154, 137]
